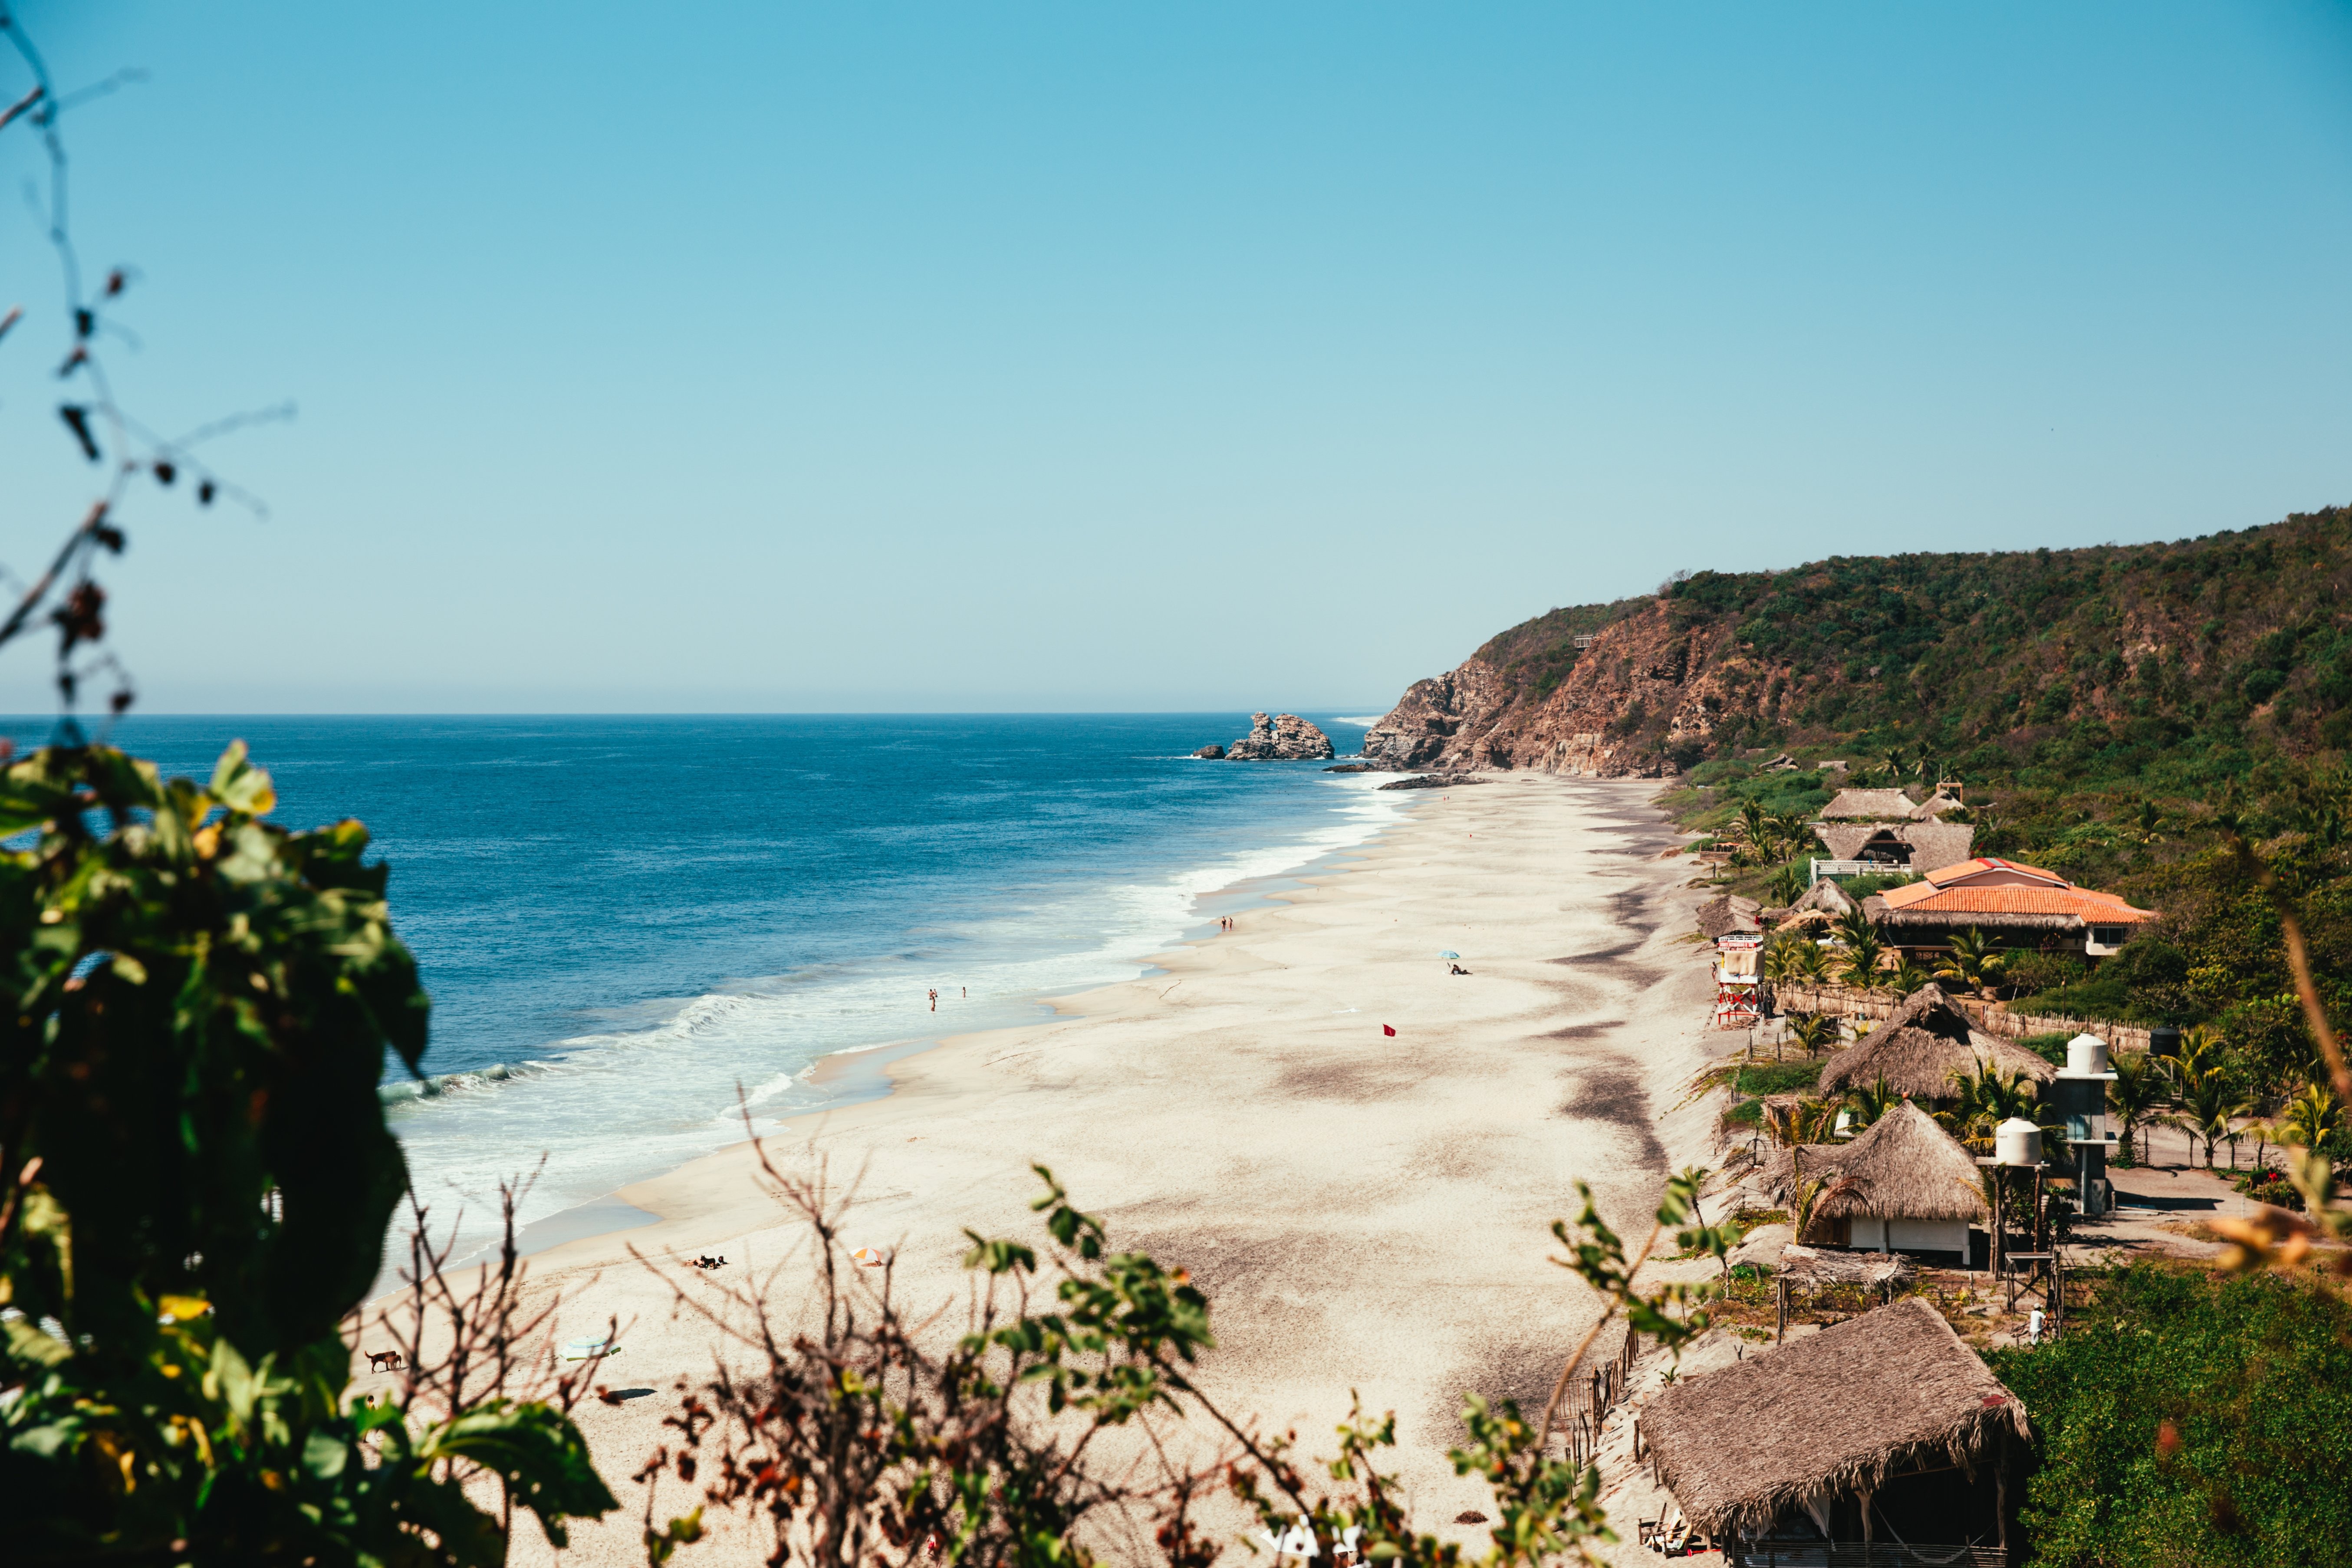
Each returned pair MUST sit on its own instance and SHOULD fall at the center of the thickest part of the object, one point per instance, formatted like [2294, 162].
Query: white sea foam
[618, 1106]
[1367, 722]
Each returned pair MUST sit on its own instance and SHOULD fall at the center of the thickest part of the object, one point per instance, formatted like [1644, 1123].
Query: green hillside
[2114, 713]
[2176, 665]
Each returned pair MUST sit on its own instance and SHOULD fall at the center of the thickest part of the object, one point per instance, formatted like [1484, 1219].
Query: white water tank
[2086, 1055]
[2017, 1142]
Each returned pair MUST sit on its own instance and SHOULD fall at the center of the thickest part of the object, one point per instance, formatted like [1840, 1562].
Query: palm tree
[2310, 1120]
[1806, 1120]
[1907, 976]
[1897, 765]
[1808, 963]
[1812, 1030]
[1983, 1100]
[1786, 885]
[2138, 1093]
[1868, 1105]
[2208, 1104]
[1860, 953]
[1974, 963]
[1805, 1196]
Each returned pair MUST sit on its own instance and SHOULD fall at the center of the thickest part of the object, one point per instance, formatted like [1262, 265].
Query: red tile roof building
[2003, 896]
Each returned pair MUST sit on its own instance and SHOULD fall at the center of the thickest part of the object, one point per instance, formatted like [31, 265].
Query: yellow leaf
[180, 1309]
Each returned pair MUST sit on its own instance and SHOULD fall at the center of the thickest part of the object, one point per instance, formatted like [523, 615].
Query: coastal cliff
[1638, 688]
[2108, 660]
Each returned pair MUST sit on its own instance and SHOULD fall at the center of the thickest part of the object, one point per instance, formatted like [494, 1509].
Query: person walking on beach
[934, 998]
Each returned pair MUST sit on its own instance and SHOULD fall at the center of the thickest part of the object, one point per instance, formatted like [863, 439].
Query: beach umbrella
[868, 1256]
[1449, 952]
[592, 1347]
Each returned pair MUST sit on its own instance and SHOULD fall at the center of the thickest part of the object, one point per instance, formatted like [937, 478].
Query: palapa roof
[1810, 1270]
[1826, 896]
[1904, 1166]
[1869, 805]
[1719, 917]
[1934, 805]
[1825, 1416]
[1922, 1047]
[1928, 843]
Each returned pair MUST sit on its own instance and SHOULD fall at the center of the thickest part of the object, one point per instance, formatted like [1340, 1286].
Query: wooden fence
[1584, 1408]
[1843, 1002]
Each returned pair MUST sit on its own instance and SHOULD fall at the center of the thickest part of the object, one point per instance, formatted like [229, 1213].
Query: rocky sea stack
[1285, 737]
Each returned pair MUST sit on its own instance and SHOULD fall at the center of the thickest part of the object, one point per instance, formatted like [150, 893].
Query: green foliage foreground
[198, 1184]
[2189, 1420]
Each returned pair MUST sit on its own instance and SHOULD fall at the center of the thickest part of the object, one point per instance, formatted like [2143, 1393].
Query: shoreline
[1363, 1211]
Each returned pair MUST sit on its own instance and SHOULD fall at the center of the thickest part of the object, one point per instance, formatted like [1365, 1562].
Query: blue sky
[1037, 357]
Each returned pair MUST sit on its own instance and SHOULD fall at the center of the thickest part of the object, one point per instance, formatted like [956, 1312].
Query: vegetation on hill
[2186, 1419]
[2169, 667]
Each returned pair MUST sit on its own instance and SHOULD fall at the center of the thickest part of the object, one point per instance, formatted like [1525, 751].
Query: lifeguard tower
[1737, 1003]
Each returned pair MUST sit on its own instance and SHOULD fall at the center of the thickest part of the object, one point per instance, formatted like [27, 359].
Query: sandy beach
[1363, 1211]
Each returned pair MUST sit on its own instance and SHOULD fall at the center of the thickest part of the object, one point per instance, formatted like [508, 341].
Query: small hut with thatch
[1922, 1047]
[1905, 1186]
[1882, 1430]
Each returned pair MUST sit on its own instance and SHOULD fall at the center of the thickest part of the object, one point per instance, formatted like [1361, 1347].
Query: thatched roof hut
[1923, 1065]
[1869, 805]
[1922, 1047]
[1904, 1166]
[1719, 917]
[1904, 845]
[1828, 1417]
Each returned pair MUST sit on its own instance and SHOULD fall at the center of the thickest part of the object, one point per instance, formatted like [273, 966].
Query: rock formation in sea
[1285, 737]
[1215, 753]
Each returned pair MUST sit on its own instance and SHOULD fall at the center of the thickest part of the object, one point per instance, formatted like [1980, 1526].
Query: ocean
[626, 922]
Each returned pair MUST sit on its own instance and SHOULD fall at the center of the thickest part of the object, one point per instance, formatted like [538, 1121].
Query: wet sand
[1363, 1211]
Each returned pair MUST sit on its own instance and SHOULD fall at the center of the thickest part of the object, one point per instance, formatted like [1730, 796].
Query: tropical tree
[1867, 1105]
[2312, 1118]
[1985, 1099]
[1805, 1194]
[2208, 1104]
[1905, 976]
[1812, 1030]
[2139, 1092]
[1973, 961]
[1858, 954]
[1786, 885]
[1807, 1120]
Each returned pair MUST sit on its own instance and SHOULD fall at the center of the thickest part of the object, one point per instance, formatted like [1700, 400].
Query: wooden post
[2001, 1487]
[1781, 1323]
[1865, 1522]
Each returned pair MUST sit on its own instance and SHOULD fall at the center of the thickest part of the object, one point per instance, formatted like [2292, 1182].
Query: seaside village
[1920, 1171]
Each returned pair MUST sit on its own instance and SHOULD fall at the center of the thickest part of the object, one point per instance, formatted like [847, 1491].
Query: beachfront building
[1922, 1047]
[1867, 832]
[1880, 1440]
[1903, 1185]
[2015, 905]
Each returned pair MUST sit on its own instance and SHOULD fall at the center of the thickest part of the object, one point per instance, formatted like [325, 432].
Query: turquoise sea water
[622, 920]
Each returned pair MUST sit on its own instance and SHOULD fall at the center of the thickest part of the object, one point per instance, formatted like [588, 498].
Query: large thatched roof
[1824, 895]
[1904, 1166]
[1925, 843]
[1923, 1064]
[1869, 804]
[1824, 1415]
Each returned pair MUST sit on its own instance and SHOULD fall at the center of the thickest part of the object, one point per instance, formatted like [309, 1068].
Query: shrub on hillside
[2182, 1419]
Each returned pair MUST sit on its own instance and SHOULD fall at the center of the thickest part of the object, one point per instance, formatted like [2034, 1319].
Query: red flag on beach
[1386, 1030]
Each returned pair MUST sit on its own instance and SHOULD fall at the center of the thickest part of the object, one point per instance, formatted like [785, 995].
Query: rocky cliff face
[1643, 689]
[1285, 737]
